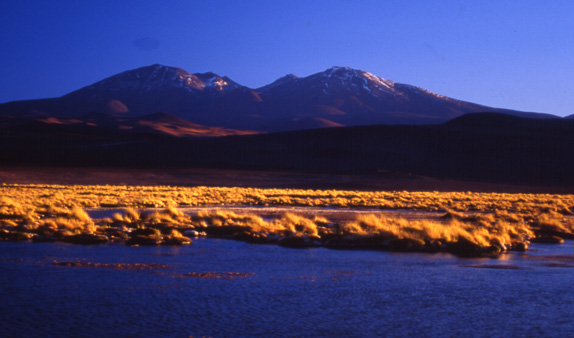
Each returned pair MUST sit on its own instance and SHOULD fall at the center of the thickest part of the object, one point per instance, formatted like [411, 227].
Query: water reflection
[279, 292]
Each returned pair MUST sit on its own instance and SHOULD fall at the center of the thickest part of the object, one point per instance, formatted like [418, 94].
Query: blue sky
[508, 54]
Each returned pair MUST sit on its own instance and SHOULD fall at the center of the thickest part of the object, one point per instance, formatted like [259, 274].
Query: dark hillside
[481, 147]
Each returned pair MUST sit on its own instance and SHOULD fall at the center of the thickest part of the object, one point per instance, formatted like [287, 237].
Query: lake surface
[281, 292]
[333, 214]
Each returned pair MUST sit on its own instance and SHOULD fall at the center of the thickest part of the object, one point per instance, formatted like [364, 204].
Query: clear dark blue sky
[510, 54]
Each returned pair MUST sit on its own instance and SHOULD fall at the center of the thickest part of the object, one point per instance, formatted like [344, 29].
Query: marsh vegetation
[467, 223]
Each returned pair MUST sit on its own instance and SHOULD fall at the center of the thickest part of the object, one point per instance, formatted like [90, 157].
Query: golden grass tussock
[295, 224]
[482, 219]
[451, 231]
[14, 210]
[224, 218]
[553, 224]
[74, 221]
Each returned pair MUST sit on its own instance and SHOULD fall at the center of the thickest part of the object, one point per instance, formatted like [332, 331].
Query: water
[285, 292]
[333, 214]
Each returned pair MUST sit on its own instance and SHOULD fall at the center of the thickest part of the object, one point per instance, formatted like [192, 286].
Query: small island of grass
[467, 224]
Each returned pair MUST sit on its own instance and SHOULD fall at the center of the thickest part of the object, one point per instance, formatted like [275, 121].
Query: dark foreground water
[284, 293]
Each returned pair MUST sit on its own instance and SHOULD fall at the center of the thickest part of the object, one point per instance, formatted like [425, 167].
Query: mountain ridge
[338, 96]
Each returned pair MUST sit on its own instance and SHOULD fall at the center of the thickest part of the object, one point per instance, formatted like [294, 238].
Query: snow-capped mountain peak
[348, 74]
[355, 81]
[339, 69]
[215, 82]
[148, 78]
[159, 77]
[336, 96]
[341, 73]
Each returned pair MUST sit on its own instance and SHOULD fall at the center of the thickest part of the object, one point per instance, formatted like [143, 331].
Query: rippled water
[333, 214]
[285, 292]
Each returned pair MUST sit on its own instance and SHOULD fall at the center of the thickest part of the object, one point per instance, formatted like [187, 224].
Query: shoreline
[466, 224]
[138, 227]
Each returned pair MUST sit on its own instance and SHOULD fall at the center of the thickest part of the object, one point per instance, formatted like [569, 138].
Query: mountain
[136, 92]
[353, 97]
[339, 96]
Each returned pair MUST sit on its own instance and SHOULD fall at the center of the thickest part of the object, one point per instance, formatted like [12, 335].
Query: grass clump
[480, 222]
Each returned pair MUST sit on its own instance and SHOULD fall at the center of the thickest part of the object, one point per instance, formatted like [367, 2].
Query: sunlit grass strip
[163, 196]
[474, 224]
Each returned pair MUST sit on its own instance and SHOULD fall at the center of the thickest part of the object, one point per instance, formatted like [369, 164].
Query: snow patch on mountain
[189, 81]
[380, 82]
[357, 81]
[217, 83]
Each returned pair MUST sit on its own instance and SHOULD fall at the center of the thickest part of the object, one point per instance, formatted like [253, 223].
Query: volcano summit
[338, 96]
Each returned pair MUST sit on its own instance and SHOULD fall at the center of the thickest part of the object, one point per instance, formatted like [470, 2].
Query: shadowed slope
[103, 124]
[482, 147]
